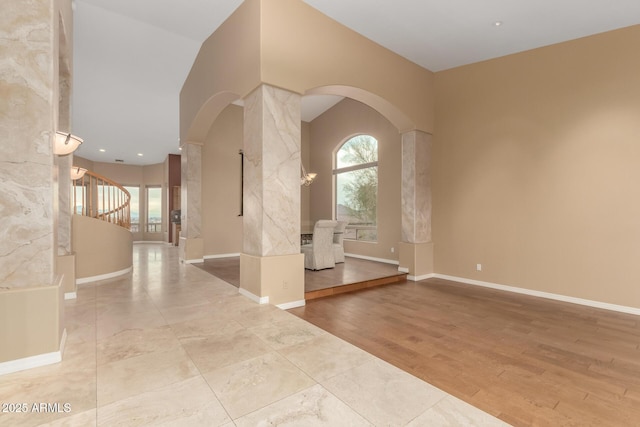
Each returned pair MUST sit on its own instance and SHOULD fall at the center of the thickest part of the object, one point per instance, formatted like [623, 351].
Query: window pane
[134, 208]
[154, 209]
[357, 193]
[358, 150]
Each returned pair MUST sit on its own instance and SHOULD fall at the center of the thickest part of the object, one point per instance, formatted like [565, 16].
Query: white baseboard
[252, 297]
[193, 261]
[386, 261]
[34, 361]
[540, 294]
[70, 295]
[292, 304]
[422, 277]
[222, 256]
[403, 269]
[103, 276]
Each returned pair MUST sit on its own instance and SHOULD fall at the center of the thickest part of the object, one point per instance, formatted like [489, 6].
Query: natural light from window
[356, 181]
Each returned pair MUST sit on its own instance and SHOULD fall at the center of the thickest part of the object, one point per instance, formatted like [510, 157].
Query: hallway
[172, 344]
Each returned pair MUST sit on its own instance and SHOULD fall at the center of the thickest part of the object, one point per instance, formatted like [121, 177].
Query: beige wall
[221, 225]
[290, 45]
[100, 248]
[327, 132]
[536, 169]
[221, 185]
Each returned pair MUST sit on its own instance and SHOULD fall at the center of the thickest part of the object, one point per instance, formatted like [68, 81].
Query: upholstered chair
[338, 241]
[319, 254]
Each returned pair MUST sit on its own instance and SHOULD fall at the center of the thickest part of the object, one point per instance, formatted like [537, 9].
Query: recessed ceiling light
[140, 154]
[102, 150]
[497, 23]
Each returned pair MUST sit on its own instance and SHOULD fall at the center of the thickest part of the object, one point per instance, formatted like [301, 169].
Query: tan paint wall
[536, 169]
[221, 184]
[290, 45]
[349, 118]
[100, 247]
[221, 178]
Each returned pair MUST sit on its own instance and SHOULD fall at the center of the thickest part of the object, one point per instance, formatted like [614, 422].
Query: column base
[416, 259]
[66, 266]
[191, 250]
[277, 280]
[32, 330]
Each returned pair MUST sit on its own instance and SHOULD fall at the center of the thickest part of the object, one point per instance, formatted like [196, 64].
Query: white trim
[423, 277]
[540, 294]
[84, 280]
[386, 261]
[403, 269]
[292, 304]
[34, 361]
[193, 261]
[70, 295]
[149, 242]
[252, 297]
[222, 256]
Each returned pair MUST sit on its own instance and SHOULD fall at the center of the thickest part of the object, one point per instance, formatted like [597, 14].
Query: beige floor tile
[312, 407]
[325, 356]
[107, 326]
[252, 384]
[454, 412]
[185, 403]
[208, 326]
[288, 332]
[82, 419]
[125, 378]
[135, 342]
[383, 394]
[182, 314]
[221, 350]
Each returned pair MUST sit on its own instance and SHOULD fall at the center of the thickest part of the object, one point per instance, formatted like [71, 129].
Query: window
[154, 209]
[134, 207]
[356, 180]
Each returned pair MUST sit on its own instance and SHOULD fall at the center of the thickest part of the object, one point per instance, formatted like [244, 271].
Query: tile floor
[172, 345]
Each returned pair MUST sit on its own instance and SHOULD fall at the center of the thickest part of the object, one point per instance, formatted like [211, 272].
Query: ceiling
[131, 57]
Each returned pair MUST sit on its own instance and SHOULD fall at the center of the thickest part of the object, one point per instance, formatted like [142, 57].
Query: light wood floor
[526, 360]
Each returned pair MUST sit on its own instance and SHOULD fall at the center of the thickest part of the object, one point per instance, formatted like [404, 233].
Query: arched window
[356, 181]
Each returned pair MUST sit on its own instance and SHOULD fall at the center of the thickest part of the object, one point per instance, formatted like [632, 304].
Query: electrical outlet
[285, 285]
[393, 250]
[478, 267]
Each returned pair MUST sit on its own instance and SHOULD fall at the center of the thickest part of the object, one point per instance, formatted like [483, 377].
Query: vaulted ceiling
[131, 57]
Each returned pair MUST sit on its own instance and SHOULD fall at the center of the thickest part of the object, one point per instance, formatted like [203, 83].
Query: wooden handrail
[99, 197]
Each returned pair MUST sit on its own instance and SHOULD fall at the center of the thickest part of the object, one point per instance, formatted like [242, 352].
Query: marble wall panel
[416, 187]
[27, 183]
[191, 190]
[272, 127]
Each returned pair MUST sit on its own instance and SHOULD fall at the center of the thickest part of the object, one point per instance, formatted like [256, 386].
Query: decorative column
[191, 243]
[271, 265]
[416, 248]
[32, 326]
[65, 261]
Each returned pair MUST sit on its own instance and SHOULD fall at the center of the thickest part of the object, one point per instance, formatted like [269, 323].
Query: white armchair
[338, 241]
[319, 254]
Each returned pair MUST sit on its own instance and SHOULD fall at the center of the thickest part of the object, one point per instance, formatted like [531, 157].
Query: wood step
[351, 287]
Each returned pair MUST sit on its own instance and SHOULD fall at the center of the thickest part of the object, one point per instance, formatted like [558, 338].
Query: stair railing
[99, 197]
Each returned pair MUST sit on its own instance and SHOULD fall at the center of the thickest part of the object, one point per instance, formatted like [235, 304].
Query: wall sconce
[77, 172]
[65, 143]
[307, 178]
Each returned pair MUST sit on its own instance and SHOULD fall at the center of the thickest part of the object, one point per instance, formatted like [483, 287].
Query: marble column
[272, 266]
[416, 248]
[30, 289]
[191, 243]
